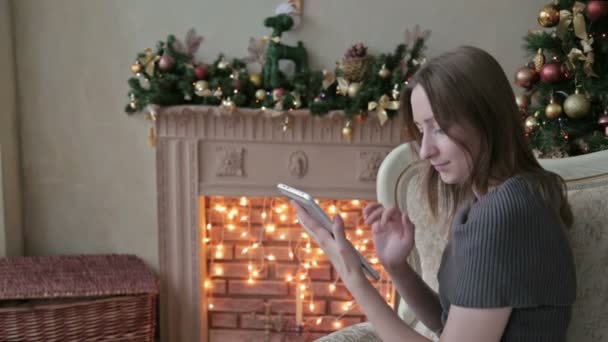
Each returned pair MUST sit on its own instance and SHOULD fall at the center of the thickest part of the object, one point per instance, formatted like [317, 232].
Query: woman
[507, 272]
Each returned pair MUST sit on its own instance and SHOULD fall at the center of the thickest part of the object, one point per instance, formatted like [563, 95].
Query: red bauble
[597, 9]
[525, 77]
[551, 73]
[166, 63]
[201, 72]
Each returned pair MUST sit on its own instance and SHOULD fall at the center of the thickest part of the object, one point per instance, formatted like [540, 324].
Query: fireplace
[227, 266]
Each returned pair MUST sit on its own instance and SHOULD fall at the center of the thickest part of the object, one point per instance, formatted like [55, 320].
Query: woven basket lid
[71, 276]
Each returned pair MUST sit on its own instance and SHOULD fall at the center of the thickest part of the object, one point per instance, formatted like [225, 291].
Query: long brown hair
[467, 87]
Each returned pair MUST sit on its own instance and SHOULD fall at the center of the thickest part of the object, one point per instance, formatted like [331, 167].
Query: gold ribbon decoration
[148, 61]
[576, 17]
[587, 45]
[343, 86]
[381, 106]
[577, 55]
[274, 39]
[328, 79]
[589, 65]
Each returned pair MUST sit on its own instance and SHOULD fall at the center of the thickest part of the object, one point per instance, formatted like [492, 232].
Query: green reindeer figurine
[276, 51]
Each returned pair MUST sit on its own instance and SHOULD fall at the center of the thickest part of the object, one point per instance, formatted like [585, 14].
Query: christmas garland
[360, 83]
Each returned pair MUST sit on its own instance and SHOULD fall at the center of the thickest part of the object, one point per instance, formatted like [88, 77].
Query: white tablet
[308, 203]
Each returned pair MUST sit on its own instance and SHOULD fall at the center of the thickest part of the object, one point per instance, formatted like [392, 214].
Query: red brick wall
[233, 298]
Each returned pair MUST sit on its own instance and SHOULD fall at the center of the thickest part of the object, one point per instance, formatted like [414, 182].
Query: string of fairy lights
[279, 226]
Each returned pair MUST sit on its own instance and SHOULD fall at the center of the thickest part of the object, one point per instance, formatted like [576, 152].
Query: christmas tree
[565, 102]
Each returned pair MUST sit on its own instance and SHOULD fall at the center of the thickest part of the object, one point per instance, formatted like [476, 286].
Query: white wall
[89, 177]
[11, 233]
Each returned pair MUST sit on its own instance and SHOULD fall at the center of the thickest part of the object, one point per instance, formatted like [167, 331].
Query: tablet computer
[308, 203]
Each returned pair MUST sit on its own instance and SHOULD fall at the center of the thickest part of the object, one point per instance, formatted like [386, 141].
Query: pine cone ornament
[355, 63]
[356, 51]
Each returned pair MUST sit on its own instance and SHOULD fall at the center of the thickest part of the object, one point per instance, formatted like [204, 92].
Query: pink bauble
[597, 10]
[525, 77]
[166, 63]
[278, 93]
[201, 72]
[551, 73]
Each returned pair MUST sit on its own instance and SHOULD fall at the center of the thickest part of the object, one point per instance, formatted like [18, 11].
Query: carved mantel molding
[201, 151]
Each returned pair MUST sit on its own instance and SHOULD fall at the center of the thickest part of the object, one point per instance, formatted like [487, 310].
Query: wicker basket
[77, 298]
[354, 69]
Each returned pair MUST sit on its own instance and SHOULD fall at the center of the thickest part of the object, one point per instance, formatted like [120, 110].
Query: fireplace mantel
[201, 150]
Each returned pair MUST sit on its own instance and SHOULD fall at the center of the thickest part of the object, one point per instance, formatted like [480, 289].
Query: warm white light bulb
[270, 228]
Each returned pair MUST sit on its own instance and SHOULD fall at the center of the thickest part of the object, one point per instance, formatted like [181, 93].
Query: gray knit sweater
[508, 249]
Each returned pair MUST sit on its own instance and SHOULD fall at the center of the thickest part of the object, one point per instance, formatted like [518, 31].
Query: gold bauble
[353, 89]
[523, 101]
[200, 87]
[549, 16]
[577, 105]
[531, 124]
[260, 94]
[133, 104]
[553, 110]
[384, 72]
[136, 68]
[223, 64]
[256, 79]
[347, 130]
[227, 106]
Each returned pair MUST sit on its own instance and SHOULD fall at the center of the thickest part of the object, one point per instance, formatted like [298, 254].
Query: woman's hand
[338, 249]
[393, 234]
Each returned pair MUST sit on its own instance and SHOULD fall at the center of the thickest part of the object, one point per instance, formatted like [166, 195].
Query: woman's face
[452, 162]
